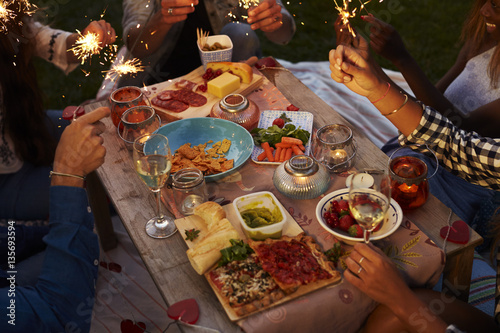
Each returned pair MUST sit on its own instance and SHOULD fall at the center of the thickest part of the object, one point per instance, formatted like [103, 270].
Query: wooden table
[166, 259]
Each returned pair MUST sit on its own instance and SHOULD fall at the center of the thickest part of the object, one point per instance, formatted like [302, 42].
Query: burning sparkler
[7, 14]
[132, 66]
[86, 46]
[345, 14]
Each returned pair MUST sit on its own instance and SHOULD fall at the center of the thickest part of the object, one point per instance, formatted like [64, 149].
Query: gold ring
[360, 269]
[276, 19]
[361, 260]
[170, 11]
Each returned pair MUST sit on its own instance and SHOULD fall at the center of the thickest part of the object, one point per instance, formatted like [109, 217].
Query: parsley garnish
[192, 234]
[238, 251]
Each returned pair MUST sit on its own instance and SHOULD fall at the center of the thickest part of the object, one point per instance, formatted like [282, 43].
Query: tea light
[338, 156]
[361, 180]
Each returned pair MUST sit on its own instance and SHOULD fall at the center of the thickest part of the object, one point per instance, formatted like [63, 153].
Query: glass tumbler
[189, 189]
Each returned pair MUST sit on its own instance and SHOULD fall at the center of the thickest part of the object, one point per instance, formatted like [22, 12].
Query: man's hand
[266, 16]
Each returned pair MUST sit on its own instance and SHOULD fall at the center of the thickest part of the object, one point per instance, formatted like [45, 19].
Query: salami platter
[180, 98]
[291, 230]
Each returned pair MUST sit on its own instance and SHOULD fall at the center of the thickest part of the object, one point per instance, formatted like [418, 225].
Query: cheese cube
[223, 85]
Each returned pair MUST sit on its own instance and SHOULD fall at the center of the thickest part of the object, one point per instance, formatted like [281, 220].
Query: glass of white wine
[369, 199]
[153, 162]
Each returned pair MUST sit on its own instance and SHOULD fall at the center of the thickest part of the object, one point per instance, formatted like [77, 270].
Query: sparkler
[132, 66]
[345, 14]
[6, 14]
[86, 46]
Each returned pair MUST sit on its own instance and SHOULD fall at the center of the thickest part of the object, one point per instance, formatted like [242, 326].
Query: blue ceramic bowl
[200, 130]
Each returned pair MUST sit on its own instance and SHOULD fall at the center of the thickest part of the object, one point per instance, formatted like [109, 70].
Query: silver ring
[170, 11]
[361, 260]
[360, 269]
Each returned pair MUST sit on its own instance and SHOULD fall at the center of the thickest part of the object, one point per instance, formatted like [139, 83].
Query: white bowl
[395, 217]
[261, 200]
[217, 55]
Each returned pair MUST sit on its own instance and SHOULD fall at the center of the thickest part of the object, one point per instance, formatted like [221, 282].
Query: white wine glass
[369, 199]
[153, 162]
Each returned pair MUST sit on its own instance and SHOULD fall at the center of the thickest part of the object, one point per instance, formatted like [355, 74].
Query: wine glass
[153, 161]
[369, 199]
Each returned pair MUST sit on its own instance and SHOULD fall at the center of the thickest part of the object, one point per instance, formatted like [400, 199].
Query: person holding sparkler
[28, 133]
[163, 34]
[468, 95]
[476, 157]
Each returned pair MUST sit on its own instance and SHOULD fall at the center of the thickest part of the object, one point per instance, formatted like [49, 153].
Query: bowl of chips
[215, 146]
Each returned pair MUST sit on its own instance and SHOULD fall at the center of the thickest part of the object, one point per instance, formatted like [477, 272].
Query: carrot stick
[290, 140]
[262, 156]
[282, 155]
[288, 154]
[277, 153]
[296, 150]
[301, 146]
[269, 152]
[282, 145]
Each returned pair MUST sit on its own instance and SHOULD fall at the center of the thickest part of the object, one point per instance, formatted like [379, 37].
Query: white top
[471, 89]
[51, 46]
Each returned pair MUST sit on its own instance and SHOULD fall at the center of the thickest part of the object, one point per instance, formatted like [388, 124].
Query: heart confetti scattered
[458, 232]
[128, 326]
[186, 311]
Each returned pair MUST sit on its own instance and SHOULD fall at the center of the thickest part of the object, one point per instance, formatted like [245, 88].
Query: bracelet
[53, 173]
[392, 112]
[385, 94]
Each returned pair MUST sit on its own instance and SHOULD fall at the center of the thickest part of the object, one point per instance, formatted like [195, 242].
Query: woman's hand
[80, 150]
[372, 272]
[266, 16]
[359, 75]
[174, 11]
[386, 41]
[103, 30]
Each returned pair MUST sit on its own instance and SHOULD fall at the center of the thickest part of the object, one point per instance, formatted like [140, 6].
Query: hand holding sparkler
[96, 36]
[386, 41]
[266, 16]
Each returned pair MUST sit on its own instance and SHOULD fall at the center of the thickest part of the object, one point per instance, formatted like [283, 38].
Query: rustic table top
[166, 259]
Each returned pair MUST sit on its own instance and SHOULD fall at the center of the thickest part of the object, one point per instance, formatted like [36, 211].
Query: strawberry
[355, 230]
[343, 206]
[345, 222]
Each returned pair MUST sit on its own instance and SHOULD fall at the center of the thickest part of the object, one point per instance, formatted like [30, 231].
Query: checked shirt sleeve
[465, 154]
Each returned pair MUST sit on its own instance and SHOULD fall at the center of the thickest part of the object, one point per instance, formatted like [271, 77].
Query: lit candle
[338, 156]
[361, 180]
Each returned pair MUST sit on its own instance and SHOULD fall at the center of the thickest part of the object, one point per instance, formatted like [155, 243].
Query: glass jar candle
[189, 190]
[238, 109]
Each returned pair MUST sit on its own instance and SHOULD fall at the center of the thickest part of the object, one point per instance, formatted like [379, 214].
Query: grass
[430, 29]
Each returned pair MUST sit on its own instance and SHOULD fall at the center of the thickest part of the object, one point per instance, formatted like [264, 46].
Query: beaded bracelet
[404, 103]
[53, 173]
[385, 94]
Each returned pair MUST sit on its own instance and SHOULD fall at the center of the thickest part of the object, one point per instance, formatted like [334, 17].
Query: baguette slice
[240, 69]
[211, 212]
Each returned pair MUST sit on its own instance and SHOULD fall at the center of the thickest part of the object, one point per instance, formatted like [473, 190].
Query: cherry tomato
[279, 122]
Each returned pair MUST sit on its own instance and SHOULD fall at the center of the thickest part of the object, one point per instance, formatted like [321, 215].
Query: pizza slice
[245, 286]
[294, 261]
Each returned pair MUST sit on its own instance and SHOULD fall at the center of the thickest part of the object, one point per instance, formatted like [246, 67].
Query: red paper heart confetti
[186, 311]
[459, 232]
[128, 326]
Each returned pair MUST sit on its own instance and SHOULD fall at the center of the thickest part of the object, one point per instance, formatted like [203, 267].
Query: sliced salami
[166, 95]
[171, 104]
[185, 84]
[190, 97]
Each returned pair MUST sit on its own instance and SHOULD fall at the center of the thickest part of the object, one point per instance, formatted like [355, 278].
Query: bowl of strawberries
[334, 215]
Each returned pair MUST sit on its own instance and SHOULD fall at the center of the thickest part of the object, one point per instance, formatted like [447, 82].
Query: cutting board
[291, 228]
[201, 111]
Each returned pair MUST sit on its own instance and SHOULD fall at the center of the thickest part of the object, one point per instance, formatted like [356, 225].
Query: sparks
[132, 66]
[6, 14]
[345, 14]
[86, 46]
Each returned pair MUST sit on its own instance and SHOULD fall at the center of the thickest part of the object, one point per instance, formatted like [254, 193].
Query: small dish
[216, 55]
[302, 119]
[261, 200]
[394, 218]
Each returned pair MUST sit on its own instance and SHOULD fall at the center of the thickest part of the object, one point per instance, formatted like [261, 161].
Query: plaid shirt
[465, 154]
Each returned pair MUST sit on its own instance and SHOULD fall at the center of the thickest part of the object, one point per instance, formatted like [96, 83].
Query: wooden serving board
[201, 111]
[291, 228]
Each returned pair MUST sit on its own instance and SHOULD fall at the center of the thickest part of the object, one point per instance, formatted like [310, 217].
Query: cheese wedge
[223, 85]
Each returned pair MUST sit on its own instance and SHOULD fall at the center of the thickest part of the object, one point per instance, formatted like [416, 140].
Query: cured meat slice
[166, 95]
[190, 97]
[185, 84]
[171, 104]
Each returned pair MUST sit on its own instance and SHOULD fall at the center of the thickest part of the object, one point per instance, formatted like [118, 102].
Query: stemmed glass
[153, 161]
[369, 199]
